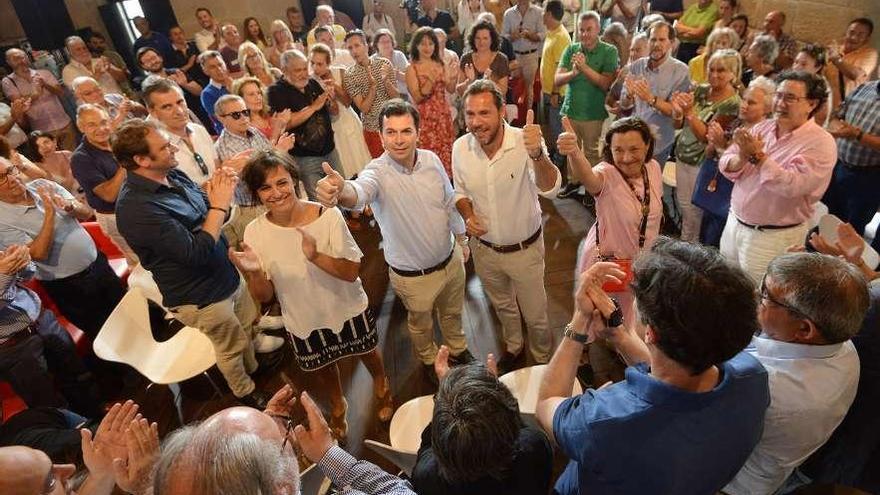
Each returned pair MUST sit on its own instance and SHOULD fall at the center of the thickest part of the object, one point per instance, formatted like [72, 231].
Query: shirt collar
[767, 347]
[656, 392]
[399, 167]
[507, 143]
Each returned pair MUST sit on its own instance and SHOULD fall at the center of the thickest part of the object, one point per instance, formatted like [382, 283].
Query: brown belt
[512, 248]
[19, 336]
[766, 227]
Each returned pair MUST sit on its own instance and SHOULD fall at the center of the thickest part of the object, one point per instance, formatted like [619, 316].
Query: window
[128, 10]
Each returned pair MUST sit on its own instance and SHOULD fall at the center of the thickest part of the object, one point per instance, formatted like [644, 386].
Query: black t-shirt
[443, 21]
[314, 137]
[528, 475]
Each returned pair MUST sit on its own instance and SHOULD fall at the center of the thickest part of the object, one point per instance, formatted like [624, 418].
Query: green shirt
[689, 149]
[584, 100]
[696, 17]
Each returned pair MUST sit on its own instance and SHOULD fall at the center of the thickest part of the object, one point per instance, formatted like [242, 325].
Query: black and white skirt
[323, 346]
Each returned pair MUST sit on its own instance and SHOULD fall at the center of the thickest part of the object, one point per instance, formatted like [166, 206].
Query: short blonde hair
[279, 25]
[243, 51]
[240, 83]
[730, 60]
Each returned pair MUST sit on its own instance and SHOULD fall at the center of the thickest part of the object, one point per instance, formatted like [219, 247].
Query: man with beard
[371, 83]
[499, 173]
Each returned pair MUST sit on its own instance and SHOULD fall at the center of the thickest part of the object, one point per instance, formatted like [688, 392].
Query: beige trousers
[229, 324]
[107, 222]
[529, 64]
[441, 292]
[514, 282]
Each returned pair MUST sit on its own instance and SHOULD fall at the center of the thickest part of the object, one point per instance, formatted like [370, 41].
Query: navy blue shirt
[667, 6]
[164, 227]
[642, 435]
[91, 167]
[156, 41]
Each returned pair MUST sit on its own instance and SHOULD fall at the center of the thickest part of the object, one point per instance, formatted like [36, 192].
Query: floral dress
[435, 130]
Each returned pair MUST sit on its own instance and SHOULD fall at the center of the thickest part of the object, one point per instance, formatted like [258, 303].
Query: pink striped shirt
[790, 180]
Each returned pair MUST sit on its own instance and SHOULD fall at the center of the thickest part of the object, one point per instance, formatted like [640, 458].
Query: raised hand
[221, 188]
[280, 119]
[329, 188]
[237, 161]
[14, 258]
[488, 74]
[470, 73]
[748, 144]
[309, 245]
[715, 135]
[281, 404]
[589, 295]
[142, 447]
[533, 140]
[48, 202]
[850, 243]
[321, 100]
[317, 439]
[245, 260]
[110, 435]
[285, 142]
[567, 142]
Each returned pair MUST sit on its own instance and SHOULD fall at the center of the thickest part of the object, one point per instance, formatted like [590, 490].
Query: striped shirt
[861, 109]
[356, 477]
[19, 306]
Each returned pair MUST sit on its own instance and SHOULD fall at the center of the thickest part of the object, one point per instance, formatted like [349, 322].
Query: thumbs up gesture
[330, 187]
[533, 140]
[567, 143]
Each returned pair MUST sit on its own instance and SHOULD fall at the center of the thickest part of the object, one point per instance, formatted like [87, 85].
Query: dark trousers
[711, 228]
[88, 297]
[687, 51]
[854, 194]
[29, 365]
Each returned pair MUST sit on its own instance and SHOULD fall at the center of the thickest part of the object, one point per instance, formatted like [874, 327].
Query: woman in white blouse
[304, 255]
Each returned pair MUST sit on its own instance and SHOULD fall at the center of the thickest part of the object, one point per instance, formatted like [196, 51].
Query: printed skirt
[323, 346]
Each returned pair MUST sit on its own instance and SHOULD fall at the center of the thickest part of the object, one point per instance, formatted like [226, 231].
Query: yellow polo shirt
[555, 43]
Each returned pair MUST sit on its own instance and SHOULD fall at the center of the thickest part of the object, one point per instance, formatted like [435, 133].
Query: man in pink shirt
[780, 169]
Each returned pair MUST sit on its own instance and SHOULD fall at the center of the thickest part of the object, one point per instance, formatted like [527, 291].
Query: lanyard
[645, 202]
[197, 157]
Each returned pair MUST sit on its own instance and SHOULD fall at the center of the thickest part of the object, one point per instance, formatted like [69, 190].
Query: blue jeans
[310, 169]
[854, 194]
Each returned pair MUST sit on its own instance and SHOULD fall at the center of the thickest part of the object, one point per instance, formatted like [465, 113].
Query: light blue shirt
[415, 209]
[670, 77]
[72, 250]
[19, 306]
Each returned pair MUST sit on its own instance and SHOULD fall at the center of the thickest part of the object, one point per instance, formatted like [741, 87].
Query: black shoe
[431, 375]
[464, 357]
[256, 399]
[568, 191]
[510, 362]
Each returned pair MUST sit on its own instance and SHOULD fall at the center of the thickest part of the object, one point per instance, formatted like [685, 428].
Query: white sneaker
[264, 344]
[271, 322]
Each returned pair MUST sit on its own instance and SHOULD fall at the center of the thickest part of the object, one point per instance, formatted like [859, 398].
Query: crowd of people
[732, 344]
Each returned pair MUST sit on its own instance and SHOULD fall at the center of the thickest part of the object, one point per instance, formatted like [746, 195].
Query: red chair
[11, 403]
[114, 255]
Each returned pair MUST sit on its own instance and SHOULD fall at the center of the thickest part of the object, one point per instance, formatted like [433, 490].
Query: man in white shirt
[425, 242]
[82, 64]
[377, 20]
[499, 172]
[209, 37]
[811, 305]
[524, 27]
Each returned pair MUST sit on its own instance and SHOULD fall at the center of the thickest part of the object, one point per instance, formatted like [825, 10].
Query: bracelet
[654, 101]
[580, 338]
[224, 210]
[860, 135]
[540, 155]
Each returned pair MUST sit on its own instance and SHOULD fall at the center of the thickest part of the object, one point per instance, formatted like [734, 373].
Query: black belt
[512, 248]
[418, 273]
[766, 227]
[527, 52]
[19, 335]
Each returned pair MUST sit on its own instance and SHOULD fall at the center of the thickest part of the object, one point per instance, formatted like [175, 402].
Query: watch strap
[580, 338]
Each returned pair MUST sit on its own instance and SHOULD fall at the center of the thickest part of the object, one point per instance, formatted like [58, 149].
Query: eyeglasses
[49, 483]
[11, 171]
[238, 114]
[765, 296]
[789, 98]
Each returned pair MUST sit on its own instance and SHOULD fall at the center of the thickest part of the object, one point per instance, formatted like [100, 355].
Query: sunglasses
[238, 114]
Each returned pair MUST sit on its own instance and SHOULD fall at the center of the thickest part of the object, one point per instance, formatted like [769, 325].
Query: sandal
[386, 403]
[339, 424]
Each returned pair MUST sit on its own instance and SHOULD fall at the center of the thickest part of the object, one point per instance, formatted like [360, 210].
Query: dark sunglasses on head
[238, 114]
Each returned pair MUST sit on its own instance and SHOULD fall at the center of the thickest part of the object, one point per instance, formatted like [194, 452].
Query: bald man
[774, 22]
[25, 471]
[83, 64]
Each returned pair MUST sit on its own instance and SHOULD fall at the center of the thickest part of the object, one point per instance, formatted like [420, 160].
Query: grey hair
[650, 19]
[616, 29]
[590, 14]
[810, 281]
[718, 33]
[208, 55]
[766, 47]
[87, 108]
[79, 81]
[766, 85]
[485, 16]
[731, 60]
[72, 39]
[324, 7]
[219, 462]
[288, 56]
[223, 100]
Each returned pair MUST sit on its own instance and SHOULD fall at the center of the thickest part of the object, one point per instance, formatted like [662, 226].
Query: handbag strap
[645, 203]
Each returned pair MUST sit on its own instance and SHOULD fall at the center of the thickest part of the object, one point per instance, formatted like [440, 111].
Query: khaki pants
[511, 278]
[529, 65]
[588, 133]
[107, 222]
[442, 291]
[753, 250]
[229, 326]
[691, 214]
[234, 230]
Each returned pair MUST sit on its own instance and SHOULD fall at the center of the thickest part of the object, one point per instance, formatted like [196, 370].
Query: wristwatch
[580, 338]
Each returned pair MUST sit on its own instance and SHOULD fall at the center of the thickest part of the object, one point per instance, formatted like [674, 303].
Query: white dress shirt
[186, 160]
[415, 209]
[502, 188]
[811, 389]
[76, 69]
[532, 21]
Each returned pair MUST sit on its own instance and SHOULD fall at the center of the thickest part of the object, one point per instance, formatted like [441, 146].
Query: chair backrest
[406, 461]
[410, 419]
[127, 337]
[104, 243]
[524, 384]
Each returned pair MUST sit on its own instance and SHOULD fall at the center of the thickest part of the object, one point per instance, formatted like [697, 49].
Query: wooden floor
[565, 224]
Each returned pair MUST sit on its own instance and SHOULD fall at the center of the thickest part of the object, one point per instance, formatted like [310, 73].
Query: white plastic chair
[127, 337]
[405, 433]
[524, 384]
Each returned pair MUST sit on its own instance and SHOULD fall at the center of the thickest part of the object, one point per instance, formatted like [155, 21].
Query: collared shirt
[699, 17]
[792, 178]
[92, 166]
[532, 21]
[229, 145]
[15, 136]
[502, 188]
[443, 20]
[670, 77]
[584, 99]
[811, 389]
[46, 112]
[864, 58]
[72, 249]
[163, 225]
[356, 477]
[76, 69]
[643, 435]
[156, 41]
[357, 83]
[209, 97]
[371, 25]
[314, 137]
[19, 306]
[415, 209]
[205, 38]
[202, 144]
[554, 46]
[862, 110]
